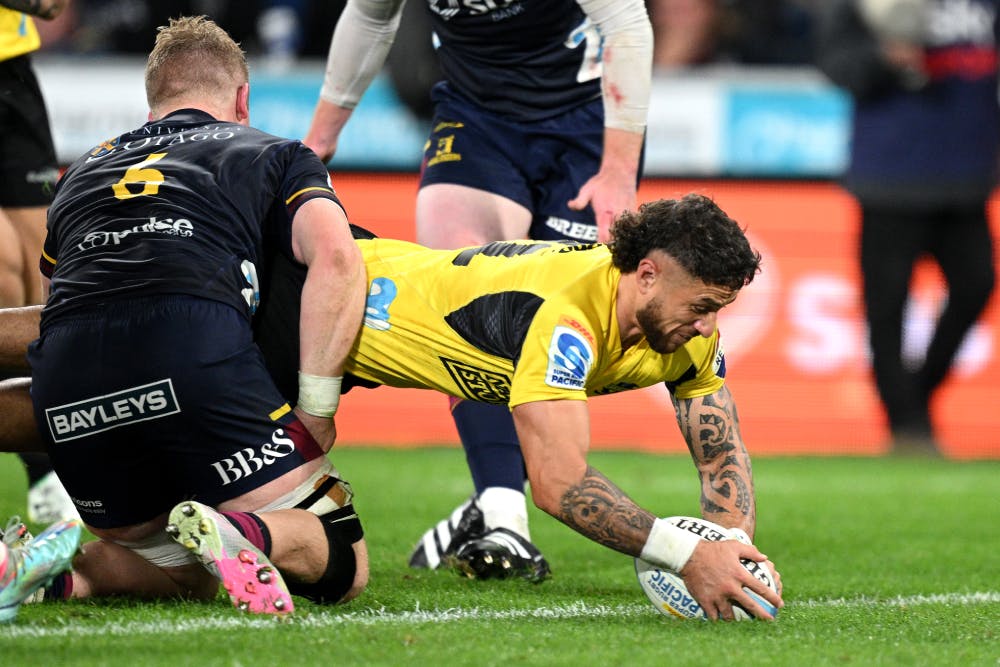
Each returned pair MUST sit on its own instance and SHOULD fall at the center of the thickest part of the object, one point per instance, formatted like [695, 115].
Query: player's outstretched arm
[711, 427]
[555, 438]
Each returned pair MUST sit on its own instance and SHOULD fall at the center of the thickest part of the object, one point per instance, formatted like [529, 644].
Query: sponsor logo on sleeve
[719, 362]
[570, 359]
[102, 413]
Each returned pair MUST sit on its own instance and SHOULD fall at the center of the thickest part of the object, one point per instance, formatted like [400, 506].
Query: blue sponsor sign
[381, 134]
[785, 131]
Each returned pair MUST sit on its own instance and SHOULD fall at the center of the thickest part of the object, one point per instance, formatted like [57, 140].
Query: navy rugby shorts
[153, 401]
[539, 164]
[28, 170]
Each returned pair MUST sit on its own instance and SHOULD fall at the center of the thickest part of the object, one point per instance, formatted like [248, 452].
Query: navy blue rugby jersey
[525, 59]
[183, 205]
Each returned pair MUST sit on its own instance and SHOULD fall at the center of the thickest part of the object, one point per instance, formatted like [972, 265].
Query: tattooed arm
[555, 438]
[711, 428]
[44, 9]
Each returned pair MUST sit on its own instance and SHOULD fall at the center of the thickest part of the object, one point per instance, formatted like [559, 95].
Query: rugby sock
[251, 527]
[505, 508]
[491, 446]
[60, 588]
[495, 461]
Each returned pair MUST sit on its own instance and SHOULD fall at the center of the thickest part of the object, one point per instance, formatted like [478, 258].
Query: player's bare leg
[28, 224]
[12, 288]
[455, 216]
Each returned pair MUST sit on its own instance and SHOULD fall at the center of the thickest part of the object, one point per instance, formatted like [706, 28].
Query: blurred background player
[924, 146]
[537, 132]
[28, 174]
[689, 33]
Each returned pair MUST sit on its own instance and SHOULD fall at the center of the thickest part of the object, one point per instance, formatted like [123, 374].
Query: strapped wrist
[319, 396]
[669, 546]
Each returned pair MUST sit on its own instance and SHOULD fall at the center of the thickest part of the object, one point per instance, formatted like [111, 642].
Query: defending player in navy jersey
[537, 133]
[147, 387]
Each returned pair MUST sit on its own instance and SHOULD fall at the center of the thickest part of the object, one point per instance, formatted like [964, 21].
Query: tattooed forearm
[601, 511]
[711, 428]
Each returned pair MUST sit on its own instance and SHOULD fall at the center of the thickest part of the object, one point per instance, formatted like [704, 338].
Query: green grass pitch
[885, 562]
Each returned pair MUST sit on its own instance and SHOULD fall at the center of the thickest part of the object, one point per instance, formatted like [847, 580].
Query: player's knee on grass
[342, 529]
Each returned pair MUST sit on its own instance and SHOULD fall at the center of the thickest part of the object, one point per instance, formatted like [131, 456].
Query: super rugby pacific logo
[675, 597]
[102, 413]
[570, 358]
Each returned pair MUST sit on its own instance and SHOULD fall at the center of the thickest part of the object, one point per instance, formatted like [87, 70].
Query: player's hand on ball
[740, 535]
[717, 579]
[725, 577]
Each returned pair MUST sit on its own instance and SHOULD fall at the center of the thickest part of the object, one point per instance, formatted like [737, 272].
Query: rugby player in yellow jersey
[501, 323]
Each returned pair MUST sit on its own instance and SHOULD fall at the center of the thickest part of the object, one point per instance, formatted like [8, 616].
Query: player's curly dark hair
[693, 230]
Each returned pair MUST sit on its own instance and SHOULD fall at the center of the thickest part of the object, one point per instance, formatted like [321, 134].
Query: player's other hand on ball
[741, 535]
[717, 579]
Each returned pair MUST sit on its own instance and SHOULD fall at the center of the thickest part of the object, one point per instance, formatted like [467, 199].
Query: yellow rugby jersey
[17, 34]
[510, 323]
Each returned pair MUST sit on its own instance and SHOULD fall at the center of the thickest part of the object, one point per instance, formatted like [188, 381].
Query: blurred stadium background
[759, 129]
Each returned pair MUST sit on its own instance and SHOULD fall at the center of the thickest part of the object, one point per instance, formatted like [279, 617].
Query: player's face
[679, 308]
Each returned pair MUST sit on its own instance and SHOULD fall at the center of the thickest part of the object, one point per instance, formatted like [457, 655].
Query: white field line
[370, 617]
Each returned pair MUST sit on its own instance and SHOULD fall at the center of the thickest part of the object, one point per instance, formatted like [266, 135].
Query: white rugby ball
[666, 589]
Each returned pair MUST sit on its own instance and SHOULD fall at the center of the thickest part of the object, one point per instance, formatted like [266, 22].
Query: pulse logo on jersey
[380, 296]
[102, 413]
[181, 227]
[570, 358]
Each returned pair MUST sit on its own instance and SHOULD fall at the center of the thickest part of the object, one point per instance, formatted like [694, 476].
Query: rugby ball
[666, 589]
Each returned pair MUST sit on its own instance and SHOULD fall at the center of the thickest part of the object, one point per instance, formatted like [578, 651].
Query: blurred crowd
[689, 32]
[280, 28]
